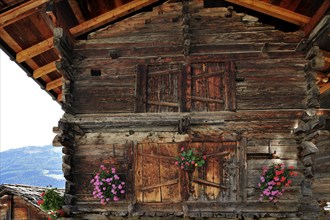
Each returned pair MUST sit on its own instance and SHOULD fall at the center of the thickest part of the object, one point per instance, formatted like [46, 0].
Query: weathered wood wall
[238, 82]
[263, 66]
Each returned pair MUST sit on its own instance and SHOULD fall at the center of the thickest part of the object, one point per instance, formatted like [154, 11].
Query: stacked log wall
[269, 96]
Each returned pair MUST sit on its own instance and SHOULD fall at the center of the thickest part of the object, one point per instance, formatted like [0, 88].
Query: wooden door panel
[210, 181]
[155, 166]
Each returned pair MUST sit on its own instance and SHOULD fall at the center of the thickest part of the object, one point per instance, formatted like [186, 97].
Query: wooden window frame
[184, 85]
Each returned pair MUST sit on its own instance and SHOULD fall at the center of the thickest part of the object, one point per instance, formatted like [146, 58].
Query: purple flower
[115, 198]
[262, 179]
[122, 191]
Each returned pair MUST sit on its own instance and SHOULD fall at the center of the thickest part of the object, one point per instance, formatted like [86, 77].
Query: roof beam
[76, 11]
[54, 84]
[109, 16]
[317, 17]
[19, 11]
[274, 11]
[35, 50]
[44, 70]
[325, 88]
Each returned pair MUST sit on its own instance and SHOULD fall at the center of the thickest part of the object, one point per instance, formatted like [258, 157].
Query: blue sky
[28, 114]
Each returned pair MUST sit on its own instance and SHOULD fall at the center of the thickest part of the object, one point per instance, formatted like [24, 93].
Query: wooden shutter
[210, 87]
[158, 88]
[156, 176]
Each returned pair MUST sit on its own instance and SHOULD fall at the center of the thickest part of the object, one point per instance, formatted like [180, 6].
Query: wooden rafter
[325, 88]
[110, 16]
[59, 97]
[54, 84]
[35, 50]
[44, 70]
[76, 10]
[274, 11]
[317, 17]
[19, 11]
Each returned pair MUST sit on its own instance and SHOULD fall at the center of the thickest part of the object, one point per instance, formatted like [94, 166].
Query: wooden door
[157, 178]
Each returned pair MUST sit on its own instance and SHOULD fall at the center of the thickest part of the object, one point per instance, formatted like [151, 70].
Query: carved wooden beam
[274, 11]
[110, 16]
[63, 42]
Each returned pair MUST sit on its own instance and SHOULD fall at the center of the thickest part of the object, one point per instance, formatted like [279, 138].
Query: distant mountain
[37, 166]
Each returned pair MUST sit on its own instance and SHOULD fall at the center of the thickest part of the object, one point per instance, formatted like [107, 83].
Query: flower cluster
[190, 159]
[272, 181]
[108, 186]
[52, 202]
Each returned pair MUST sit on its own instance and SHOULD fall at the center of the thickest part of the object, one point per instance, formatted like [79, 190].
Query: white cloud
[28, 114]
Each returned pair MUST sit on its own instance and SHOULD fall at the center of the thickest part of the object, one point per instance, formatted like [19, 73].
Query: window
[178, 88]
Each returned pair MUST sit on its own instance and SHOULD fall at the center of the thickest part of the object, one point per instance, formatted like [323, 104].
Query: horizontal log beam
[274, 11]
[54, 84]
[35, 50]
[19, 11]
[109, 16]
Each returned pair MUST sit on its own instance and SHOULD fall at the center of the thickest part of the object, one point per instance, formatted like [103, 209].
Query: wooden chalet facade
[181, 74]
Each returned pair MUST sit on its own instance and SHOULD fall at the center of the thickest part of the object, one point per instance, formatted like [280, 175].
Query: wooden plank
[54, 84]
[213, 170]
[274, 11]
[317, 17]
[151, 175]
[44, 70]
[110, 16]
[167, 183]
[169, 172]
[16, 13]
[35, 50]
[170, 104]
